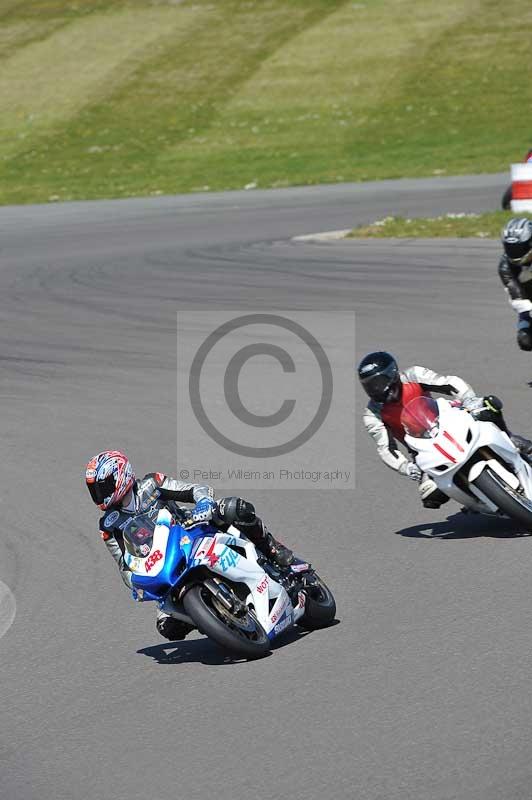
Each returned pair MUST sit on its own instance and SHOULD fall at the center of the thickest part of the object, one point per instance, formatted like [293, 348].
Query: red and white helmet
[109, 477]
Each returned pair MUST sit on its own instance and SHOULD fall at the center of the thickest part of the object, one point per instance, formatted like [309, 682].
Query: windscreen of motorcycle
[420, 418]
[138, 535]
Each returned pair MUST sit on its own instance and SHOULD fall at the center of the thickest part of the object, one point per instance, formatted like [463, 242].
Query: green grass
[461, 226]
[114, 98]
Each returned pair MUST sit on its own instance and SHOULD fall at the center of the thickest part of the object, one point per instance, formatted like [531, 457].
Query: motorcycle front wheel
[242, 635]
[514, 505]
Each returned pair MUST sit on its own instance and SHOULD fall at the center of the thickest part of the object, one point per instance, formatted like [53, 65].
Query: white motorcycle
[471, 461]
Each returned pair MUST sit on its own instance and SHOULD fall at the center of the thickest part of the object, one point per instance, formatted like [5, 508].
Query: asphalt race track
[423, 689]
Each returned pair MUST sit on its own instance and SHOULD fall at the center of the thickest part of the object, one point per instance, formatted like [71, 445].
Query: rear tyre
[506, 499]
[242, 635]
[320, 607]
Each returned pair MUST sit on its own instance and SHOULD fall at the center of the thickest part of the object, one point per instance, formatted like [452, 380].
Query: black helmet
[379, 375]
[517, 240]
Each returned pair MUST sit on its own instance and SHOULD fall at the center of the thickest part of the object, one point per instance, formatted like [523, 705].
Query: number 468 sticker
[153, 559]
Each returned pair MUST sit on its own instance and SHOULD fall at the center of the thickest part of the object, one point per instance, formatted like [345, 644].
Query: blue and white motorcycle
[219, 583]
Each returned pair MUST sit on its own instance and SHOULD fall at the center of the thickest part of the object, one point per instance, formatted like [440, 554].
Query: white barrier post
[522, 187]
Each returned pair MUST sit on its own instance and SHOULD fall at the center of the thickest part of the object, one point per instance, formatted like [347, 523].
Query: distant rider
[113, 488]
[515, 271]
[391, 390]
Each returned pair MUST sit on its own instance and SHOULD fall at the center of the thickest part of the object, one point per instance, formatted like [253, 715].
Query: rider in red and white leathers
[382, 421]
[391, 390]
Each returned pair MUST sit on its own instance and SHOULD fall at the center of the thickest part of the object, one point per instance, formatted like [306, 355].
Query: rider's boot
[274, 550]
[171, 628]
[431, 496]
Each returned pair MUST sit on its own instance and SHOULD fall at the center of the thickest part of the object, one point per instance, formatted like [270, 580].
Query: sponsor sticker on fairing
[208, 554]
[279, 613]
[135, 564]
[228, 559]
[201, 546]
[299, 567]
[284, 623]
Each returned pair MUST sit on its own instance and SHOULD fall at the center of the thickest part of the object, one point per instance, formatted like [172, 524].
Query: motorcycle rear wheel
[506, 499]
[320, 607]
[242, 636]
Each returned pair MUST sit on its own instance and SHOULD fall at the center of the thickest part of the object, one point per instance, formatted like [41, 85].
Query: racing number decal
[153, 559]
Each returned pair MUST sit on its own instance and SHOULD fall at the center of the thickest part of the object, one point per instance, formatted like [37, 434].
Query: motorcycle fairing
[164, 574]
[456, 439]
[224, 554]
[235, 558]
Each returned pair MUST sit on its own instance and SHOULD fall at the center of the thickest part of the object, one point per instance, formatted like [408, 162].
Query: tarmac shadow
[206, 652]
[295, 634]
[190, 651]
[466, 526]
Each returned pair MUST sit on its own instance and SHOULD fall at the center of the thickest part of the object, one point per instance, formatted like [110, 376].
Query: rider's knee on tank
[236, 511]
[241, 513]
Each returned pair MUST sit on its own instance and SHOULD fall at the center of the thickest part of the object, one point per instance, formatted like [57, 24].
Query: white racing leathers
[382, 420]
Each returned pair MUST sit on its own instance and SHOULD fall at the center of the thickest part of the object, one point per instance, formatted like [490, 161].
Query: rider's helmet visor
[102, 490]
[517, 251]
[380, 387]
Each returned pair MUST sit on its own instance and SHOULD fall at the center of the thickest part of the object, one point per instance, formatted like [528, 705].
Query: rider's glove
[493, 403]
[413, 471]
[485, 409]
[473, 404]
[202, 511]
[521, 306]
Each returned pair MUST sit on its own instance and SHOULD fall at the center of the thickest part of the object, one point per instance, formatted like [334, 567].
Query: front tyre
[242, 635]
[320, 606]
[507, 500]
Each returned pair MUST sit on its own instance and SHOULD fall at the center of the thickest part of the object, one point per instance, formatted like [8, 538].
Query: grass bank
[452, 226]
[115, 98]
